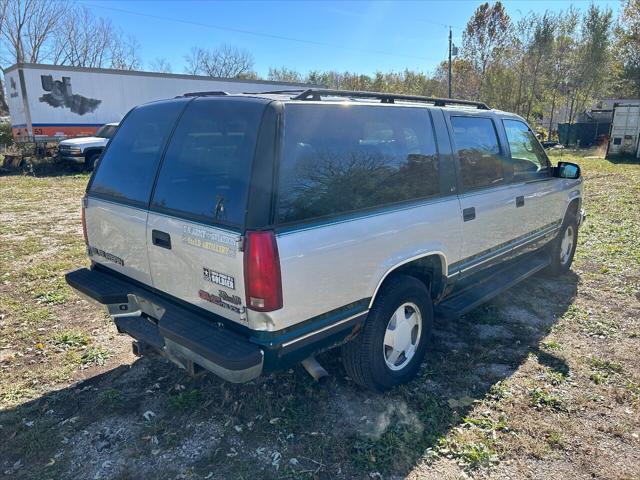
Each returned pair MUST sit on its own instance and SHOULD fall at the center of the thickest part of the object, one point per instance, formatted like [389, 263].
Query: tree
[485, 35]
[284, 74]
[538, 51]
[628, 49]
[29, 27]
[224, 62]
[83, 40]
[160, 64]
[124, 52]
[591, 60]
[561, 53]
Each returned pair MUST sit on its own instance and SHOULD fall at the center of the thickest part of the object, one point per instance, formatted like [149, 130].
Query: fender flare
[443, 262]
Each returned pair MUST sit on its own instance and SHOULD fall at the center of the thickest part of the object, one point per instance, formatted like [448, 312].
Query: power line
[261, 34]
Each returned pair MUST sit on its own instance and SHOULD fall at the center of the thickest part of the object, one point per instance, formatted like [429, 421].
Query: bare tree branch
[225, 61]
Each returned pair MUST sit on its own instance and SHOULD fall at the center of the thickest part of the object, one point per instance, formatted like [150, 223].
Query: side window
[476, 142]
[527, 155]
[339, 158]
[206, 171]
[128, 166]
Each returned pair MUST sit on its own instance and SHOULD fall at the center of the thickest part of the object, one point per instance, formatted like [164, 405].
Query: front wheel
[394, 339]
[563, 247]
[90, 160]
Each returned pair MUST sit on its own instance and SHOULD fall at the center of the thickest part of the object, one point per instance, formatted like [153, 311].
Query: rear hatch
[118, 193]
[196, 209]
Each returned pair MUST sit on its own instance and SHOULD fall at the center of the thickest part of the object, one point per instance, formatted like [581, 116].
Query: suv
[87, 149]
[242, 233]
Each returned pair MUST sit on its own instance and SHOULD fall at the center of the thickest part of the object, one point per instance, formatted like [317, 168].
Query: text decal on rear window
[209, 240]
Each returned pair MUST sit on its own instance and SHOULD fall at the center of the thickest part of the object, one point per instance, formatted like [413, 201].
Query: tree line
[536, 66]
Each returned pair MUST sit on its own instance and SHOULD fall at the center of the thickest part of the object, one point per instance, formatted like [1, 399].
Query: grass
[559, 380]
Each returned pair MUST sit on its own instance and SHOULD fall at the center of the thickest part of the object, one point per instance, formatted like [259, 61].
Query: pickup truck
[86, 149]
[240, 234]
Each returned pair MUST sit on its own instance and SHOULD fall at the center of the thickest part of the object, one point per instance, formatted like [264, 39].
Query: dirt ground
[543, 382]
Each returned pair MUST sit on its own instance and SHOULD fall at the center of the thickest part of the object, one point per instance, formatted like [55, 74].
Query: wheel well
[92, 151]
[573, 207]
[429, 270]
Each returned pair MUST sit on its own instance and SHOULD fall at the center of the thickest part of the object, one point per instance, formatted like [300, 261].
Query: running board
[476, 290]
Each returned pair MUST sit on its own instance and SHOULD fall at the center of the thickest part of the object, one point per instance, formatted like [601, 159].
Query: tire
[370, 359]
[563, 247]
[90, 160]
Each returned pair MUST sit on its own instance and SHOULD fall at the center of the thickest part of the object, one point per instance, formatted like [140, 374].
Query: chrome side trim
[473, 262]
[315, 332]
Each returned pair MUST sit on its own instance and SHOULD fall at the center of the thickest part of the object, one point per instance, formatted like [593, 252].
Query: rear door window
[128, 167]
[342, 158]
[479, 154]
[206, 170]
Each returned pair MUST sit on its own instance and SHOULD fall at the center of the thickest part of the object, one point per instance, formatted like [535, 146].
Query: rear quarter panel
[329, 266]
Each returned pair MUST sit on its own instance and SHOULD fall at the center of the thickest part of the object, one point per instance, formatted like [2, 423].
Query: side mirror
[567, 170]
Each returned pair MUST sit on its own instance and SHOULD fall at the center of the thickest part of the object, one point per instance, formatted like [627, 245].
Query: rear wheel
[394, 339]
[563, 248]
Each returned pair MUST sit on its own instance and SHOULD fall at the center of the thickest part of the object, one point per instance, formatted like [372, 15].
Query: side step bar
[475, 290]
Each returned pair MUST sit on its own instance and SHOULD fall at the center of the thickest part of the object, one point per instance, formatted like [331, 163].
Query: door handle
[469, 214]
[520, 201]
[161, 239]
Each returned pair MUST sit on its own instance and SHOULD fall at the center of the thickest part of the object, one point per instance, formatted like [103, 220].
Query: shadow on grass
[623, 159]
[151, 420]
[44, 168]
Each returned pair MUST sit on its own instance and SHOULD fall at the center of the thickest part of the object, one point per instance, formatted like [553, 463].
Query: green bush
[6, 137]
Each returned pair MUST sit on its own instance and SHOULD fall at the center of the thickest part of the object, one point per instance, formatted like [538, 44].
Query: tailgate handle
[161, 239]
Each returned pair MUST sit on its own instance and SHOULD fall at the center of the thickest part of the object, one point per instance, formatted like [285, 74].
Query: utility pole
[450, 44]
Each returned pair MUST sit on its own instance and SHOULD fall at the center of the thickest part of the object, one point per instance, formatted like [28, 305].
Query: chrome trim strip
[507, 248]
[315, 332]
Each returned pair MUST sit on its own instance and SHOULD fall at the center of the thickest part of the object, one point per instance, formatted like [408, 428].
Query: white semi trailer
[48, 102]
[624, 138]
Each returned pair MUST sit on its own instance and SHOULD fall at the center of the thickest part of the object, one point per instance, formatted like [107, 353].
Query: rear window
[342, 158]
[206, 170]
[128, 166]
[478, 149]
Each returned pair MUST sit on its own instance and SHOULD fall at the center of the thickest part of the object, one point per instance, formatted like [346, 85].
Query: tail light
[262, 280]
[84, 221]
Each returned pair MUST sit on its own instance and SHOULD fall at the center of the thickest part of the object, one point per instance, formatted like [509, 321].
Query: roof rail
[205, 94]
[318, 93]
[276, 92]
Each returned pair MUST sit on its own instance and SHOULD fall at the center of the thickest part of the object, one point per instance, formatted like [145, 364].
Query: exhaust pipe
[312, 366]
[137, 348]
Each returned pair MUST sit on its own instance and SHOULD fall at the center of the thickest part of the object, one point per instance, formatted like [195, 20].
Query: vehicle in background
[243, 233]
[87, 149]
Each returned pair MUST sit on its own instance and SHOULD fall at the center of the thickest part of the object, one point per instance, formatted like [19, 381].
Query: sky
[357, 36]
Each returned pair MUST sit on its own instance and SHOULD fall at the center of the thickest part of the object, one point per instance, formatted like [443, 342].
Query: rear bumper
[185, 337]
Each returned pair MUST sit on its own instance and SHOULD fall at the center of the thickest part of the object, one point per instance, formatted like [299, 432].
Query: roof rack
[205, 94]
[318, 93]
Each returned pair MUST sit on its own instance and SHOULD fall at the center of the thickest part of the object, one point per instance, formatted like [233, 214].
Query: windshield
[106, 131]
